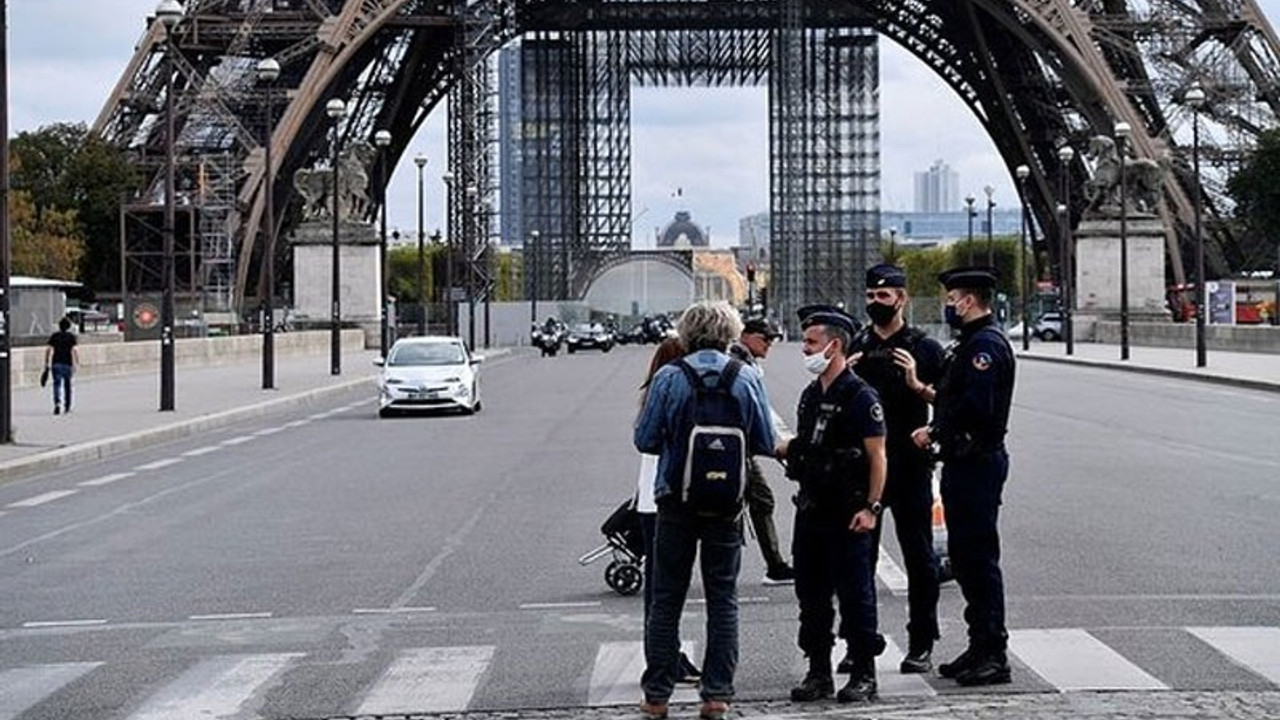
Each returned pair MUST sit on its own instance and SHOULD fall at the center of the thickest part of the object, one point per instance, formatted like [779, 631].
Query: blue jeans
[61, 383]
[971, 489]
[678, 539]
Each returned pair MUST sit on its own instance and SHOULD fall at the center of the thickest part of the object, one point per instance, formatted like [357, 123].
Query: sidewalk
[1258, 371]
[116, 414]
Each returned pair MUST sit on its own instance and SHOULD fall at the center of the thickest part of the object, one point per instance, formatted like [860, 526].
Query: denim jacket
[660, 418]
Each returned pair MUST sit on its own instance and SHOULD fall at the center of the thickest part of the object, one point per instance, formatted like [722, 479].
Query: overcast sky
[712, 145]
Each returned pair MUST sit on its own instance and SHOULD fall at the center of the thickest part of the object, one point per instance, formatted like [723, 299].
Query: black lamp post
[893, 243]
[1065, 155]
[468, 240]
[421, 162]
[6, 382]
[1023, 172]
[1195, 100]
[268, 71]
[1123, 131]
[968, 200]
[170, 13]
[381, 140]
[336, 109]
[450, 317]
[533, 275]
[991, 240]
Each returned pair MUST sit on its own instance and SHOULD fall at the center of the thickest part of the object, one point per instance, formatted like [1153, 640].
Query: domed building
[683, 233]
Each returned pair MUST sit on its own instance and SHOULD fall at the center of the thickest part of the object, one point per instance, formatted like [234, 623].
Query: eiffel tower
[1037, 74]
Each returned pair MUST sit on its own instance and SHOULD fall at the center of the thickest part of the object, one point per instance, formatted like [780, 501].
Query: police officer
[839, 460]
[899, 361]
[971, 416]
[758, 335]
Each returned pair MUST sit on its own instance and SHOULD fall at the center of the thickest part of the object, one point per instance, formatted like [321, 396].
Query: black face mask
[880, 313]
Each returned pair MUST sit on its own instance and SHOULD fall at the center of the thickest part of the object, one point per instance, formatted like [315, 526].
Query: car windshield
[584, 328]
[426, 354]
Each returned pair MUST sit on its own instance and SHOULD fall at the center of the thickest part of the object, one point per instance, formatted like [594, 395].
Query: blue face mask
[952, 316]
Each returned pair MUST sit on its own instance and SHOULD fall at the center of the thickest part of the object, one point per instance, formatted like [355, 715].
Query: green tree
[1256, 191]
[44, 245]
[402, 273]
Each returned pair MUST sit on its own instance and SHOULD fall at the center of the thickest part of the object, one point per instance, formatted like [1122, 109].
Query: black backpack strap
[730, 373]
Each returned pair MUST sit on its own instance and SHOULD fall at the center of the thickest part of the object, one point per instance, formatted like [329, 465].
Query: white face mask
[817, 363]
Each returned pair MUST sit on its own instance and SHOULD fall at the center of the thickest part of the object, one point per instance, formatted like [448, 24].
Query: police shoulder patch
[877, 412]
[981, 361]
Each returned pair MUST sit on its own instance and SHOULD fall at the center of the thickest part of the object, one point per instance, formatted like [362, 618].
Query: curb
[101, 449]
[1247, 383]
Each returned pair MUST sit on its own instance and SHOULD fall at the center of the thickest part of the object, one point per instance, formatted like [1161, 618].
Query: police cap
[885, 275]
[968, 278]
[761, 326]
[827, 315]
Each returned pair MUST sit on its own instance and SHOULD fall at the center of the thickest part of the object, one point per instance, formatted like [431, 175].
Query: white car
[424, 373]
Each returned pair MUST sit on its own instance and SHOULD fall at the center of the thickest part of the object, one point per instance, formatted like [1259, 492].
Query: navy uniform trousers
[971, 489]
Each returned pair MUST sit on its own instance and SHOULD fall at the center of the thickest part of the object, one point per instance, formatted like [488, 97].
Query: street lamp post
[533, 276]
[1065, 155]
[468, 240]
[1195, 100]
[893, 243]
[170, 13]
[381, 140]
[421, 162]
[991, 240]
[336, 109]
[450, 318]
[6, 381]
[1023, 172]
[1123, 131]
[268, 71]
[968, 200]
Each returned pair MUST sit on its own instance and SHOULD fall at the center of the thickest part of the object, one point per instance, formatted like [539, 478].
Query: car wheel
[571, 350]
[385, 412]
[606, 348]
[1049, 336]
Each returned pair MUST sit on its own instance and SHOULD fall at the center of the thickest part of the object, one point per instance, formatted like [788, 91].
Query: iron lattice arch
[1036, 74]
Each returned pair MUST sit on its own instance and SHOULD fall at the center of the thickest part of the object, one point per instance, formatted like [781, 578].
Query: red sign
[145, 316]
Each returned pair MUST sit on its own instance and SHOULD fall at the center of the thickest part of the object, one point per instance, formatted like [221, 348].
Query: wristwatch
[876, 508]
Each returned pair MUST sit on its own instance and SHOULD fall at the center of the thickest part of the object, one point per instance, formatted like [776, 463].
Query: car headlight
[393, 381]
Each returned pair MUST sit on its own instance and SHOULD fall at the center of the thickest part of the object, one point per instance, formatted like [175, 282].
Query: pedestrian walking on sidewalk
[899, 361]
[838, 458]
[698, 461]
[61, 358]
[758, 335]
[971, 417]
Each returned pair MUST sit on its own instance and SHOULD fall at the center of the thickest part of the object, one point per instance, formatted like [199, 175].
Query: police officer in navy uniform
[971, 416]
[838, 458]
[899, 361]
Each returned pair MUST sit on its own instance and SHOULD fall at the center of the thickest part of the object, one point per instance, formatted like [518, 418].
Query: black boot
[862, 682]
[991, 669]
[919, 659]
[963, 662]
[817, 683]
[875, 644]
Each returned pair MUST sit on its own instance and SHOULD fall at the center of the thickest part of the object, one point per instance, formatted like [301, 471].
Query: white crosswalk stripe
[20, 688]
[1256, 648]
[438, 679]
[1072, 659]
[615, 677]
[215, 687]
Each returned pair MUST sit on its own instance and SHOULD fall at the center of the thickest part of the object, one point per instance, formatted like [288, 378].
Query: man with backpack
[703, 416]
[899, 361]
[838, 458]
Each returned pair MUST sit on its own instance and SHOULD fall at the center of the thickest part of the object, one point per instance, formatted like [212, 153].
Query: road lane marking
[297, 423]
[893, 682]
[427, 680]
[20, 688]
[62, 623]
[1072, 659]
[42, 499]
[268, 431]
[741, 601]
[890, 573]
[231, 616]
[106, 479]
[1256, 648]
[236, 440]
[559, 605]
[216, 687]
[392, 611]
[159, 464]
[615, 676]
[201, 451]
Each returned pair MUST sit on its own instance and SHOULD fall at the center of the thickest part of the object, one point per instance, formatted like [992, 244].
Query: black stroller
[624, 542]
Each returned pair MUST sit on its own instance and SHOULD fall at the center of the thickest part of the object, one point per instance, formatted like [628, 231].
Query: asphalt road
[332, 563]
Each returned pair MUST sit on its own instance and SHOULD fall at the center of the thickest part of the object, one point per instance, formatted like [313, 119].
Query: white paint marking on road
[239, 440]
[426, 680]
[159, 464]
[392, 611]
[62, 623]
[891, 681]
[231, 616]
[890, 573]
[615, 676]
[754, 600]
[1072, 659]
[1256, 648]
[201, 451]
[106, 479]
[297, 423]
[559, 605]
[268, 431]
[216, 687]
[20, 688]
[318, 416]
[42, 499]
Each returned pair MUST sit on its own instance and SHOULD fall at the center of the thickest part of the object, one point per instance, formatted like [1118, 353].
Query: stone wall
[1232, 338]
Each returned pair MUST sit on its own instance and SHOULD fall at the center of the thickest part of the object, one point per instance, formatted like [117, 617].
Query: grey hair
[709, 326]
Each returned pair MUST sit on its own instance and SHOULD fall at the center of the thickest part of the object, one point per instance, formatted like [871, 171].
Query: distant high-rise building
[938, 189]
[511, 229]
